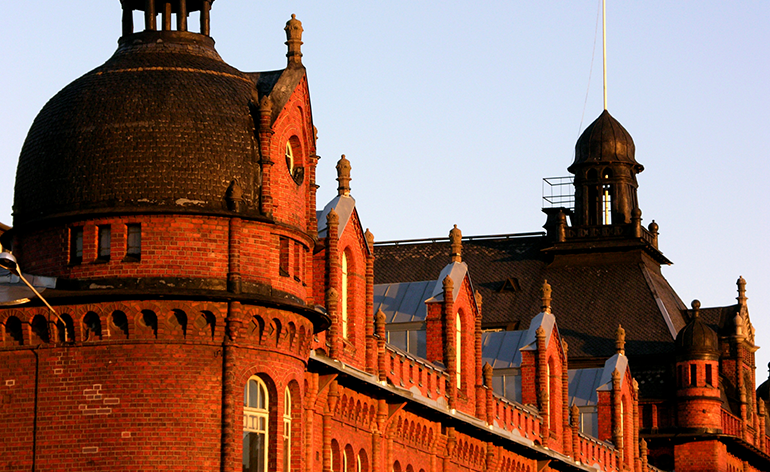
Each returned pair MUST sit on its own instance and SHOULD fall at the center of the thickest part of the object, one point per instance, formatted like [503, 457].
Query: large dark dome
[163, 125]
[605, 141]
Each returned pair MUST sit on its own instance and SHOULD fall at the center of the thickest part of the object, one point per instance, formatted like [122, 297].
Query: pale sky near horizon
[453, 112]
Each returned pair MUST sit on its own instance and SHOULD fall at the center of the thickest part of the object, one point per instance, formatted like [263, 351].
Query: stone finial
[761, 407]
[448, 284]
[379, 322]
[695, 308]
[739, 326]
[546, 297]
[234, 196]
[294, 40]
[479, 299]
[620, 340]
[331, 295]
[343, 176]
[635, 384]
[564, 347]
[741, 291]
[615, 375]
[653, 229]
[575, 416]
[369, 239]
[332, 218]
[456, 238]
[540, 332]
[487, 372]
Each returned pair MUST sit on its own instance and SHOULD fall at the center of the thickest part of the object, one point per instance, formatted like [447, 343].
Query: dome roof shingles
[605, 141]
[162, 124]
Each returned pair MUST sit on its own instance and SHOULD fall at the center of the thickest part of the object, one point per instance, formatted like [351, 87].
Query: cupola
[697, 340]
[167, 9]
[605, 174]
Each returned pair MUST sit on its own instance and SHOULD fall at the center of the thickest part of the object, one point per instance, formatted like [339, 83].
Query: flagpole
[604, 49]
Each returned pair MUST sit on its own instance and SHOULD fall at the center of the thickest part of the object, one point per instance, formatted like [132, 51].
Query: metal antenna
[604, 48]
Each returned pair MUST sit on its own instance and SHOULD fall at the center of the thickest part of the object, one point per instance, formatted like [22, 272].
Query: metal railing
[559, 192]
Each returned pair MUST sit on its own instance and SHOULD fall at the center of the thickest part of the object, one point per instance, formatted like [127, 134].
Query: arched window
[287, 430]
[255, 433]
[548, 390]
[289, 158]
[344, 298]
[459, 344]
[607, 198]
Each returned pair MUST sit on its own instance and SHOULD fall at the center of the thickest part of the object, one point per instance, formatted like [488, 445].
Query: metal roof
[344, 206]
[455, 271]
[404, 302]
[502, 349]
[582, 386]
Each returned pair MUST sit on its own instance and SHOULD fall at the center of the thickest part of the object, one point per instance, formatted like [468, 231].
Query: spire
[294, 40]
[741, 291]
[343, 176]
[456, 238]
[620, 340]
[546, 297]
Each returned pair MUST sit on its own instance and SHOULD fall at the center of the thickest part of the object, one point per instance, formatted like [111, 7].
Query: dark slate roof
[164, 124]
[589, 301]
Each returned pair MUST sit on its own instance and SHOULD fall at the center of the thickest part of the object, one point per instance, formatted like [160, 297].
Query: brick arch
[177, 322]
[91, 326]
[39, 332]
[278, 333]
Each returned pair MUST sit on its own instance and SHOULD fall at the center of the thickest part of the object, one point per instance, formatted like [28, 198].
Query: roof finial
[695, 308]
[620, 340]
[343, 176]
[294, 40]
[456, 238]
[546, 292]
[741, 291]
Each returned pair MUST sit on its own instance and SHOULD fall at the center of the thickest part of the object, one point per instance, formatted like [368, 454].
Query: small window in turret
[133, 242]
[105, 239]
[76, 245]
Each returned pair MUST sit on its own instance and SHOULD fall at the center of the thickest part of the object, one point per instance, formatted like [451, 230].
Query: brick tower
[699, 406]
[172, 196]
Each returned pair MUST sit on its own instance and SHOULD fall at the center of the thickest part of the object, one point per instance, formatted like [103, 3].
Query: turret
[697, 376]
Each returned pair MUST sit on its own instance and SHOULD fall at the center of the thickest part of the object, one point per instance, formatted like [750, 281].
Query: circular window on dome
[294, 165]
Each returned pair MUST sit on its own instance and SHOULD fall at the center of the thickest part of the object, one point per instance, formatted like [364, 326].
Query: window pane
[398, 339]
[253, 393]
[104, 242]
[133, 240]
[254, 452]
[421, 341]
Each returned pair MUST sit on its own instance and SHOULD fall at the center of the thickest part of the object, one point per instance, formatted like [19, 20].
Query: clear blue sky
[453, 112]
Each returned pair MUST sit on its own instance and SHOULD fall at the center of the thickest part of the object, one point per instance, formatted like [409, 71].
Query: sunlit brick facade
[209, 317]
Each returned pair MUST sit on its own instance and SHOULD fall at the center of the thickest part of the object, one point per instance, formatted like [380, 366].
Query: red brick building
[207, 317]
